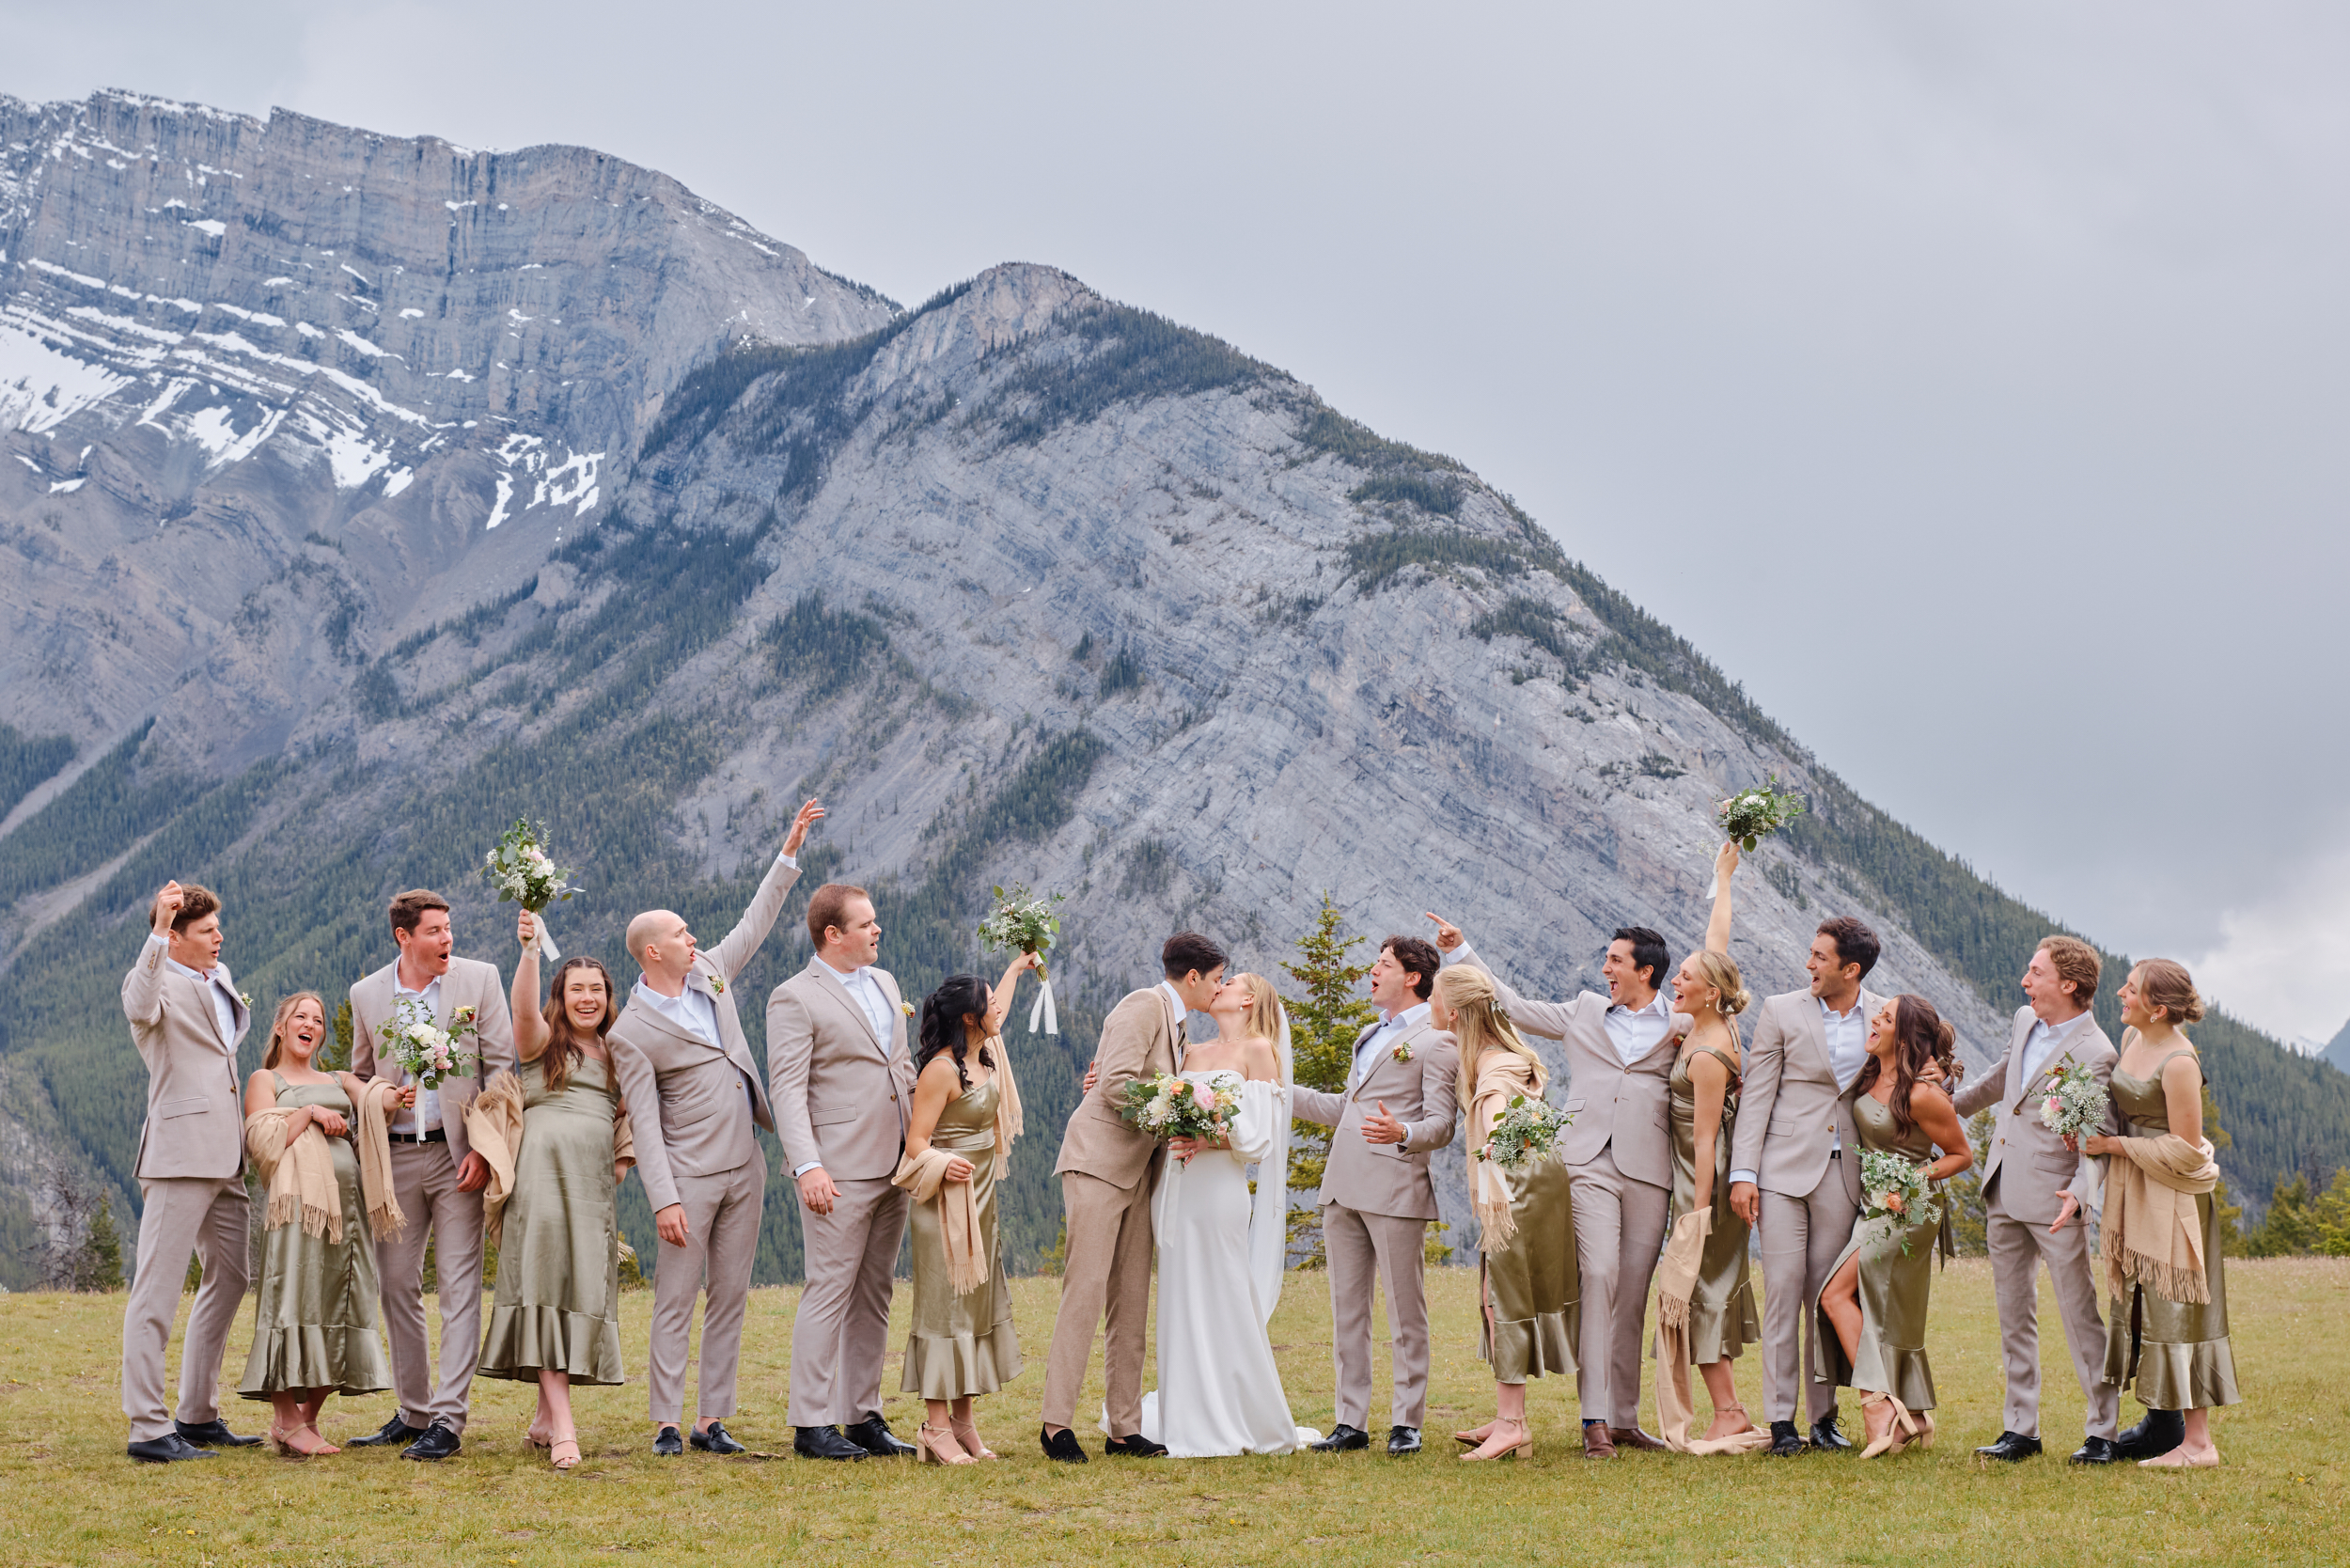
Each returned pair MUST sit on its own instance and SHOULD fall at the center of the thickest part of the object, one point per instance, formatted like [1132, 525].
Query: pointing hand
[1448, 934]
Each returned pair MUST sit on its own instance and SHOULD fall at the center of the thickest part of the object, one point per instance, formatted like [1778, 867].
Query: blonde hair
[1263, 1021]
[2165, 984]
[1479, 1025]
[285, 1017]
[1720, 971]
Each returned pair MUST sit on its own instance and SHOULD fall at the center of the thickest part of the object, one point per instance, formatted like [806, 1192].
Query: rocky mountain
[1029, 585]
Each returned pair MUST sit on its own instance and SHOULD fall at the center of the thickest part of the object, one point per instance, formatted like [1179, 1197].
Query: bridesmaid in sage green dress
[966, 1105]
[1873, 1310]
[2177, 1352]
[314, 1325]
[555, 1320]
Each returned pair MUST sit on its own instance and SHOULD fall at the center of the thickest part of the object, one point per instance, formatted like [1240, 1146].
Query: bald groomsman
[695, 1100]
[1619, 1152]
[186, 1019]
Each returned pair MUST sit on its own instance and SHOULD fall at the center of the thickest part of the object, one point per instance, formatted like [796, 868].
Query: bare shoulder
[940, 1072]
[1260, 1059]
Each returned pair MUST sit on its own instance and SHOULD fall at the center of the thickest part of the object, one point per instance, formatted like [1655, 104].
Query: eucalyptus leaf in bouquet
[520, 870]
[1753, 814]
[1022, 922]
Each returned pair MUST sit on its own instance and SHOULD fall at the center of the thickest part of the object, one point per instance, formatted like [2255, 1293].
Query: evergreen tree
[98, 1261]
[1324, 1022]
[337, 1057]
[2227, 1214]
[1969, 1214]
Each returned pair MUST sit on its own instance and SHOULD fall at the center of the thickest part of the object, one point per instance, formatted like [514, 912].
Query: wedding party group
[477, 1120]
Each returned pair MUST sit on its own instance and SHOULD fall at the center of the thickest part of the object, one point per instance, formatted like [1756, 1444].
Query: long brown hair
[277, 1026]
[1920, 1036]
[1479, 1025]
[564, 1054]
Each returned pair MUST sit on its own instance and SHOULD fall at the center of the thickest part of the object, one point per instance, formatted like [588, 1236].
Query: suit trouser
[841, 1335]
[424, 1177]
[1619, 1237]
[1801, 1237]
[1108, 1267]
[722, 1215]
[178, 1216]
[2015, 1245]
[1363, 1248]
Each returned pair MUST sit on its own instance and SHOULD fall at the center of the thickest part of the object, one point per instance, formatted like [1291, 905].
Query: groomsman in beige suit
[695, 1099]
[2033, 1191]
[1620, 1052]
[186, 1019]
[843, 1079]
[1795, 1164]
[436, 1174]
[1107, 1169]
[1397, 1110]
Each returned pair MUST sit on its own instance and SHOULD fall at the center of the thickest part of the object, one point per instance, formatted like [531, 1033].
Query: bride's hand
[1184, 1148]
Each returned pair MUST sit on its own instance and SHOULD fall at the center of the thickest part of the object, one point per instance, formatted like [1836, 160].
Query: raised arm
[143, 987]
[999, 1005]
[1711, 1080]
[1717, 929]
[531, 1033]
[729, 955]
[1547, 1019]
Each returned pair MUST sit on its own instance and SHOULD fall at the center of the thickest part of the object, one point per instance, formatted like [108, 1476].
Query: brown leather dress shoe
[1632, 1438]
[1597, 1443]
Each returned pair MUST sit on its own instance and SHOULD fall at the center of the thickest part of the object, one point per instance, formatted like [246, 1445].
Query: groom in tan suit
[678, 1051]
[843, 1081]
[1619, 1051]
[186, 1019]
[1107, 1169]
[2033, 1191]
[1397, 1110]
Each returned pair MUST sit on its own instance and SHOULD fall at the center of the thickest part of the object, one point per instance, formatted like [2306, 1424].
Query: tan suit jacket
[2048, 1169]
[1791, 1111]
[1628, 1107]
[705, 1098]
[195, 1125]
[470, 982]
[1141, 1038]
[1388, 1178]
[843, 1094]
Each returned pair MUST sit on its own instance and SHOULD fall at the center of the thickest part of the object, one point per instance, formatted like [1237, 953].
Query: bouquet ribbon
[547, 949]
[1043, 1011]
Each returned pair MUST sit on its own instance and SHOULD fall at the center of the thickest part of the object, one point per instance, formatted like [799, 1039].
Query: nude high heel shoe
[1897, 1434]
[937, 1445]
[563, 1453]
[1522, 1446]
[968, 1439]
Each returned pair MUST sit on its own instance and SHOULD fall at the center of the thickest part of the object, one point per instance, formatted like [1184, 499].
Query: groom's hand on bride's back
[1093, 1075]
[1449, 936]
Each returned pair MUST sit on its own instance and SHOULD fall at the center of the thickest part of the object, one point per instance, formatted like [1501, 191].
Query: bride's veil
[1269, 1220]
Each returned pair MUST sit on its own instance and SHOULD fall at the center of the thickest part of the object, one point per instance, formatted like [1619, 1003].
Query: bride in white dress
[1221, 1255]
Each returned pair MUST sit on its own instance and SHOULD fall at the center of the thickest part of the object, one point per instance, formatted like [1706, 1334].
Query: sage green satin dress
[314, 1324]
[1895, 1289]
[1534, 1284]
[1722, 1319]
[961, 1345]
[557, 1307]
[2176, 1351]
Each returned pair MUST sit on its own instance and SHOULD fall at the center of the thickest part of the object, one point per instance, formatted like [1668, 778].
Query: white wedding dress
[1219, 1392]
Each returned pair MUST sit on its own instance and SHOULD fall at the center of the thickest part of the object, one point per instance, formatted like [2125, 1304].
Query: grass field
[71, 1495]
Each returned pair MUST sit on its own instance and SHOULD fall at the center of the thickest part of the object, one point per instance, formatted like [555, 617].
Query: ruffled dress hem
[960, 1366]
[348, 1359]
[523, 1340]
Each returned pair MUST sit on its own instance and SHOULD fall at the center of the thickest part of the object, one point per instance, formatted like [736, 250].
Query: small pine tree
[1969, 1214]
[2226, 1214]
[98, 1262]
[2289, 1228]
[337, 1057]
[1324, 1022]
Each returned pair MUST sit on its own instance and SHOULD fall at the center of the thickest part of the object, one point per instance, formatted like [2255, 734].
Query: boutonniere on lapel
[718, 986]
[246, 999]
[1403, 1051]
[906, 1008]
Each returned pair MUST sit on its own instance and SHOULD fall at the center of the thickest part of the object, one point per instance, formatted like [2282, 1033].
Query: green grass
[71, 1496]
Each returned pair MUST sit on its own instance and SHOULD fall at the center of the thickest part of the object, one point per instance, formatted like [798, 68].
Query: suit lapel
[1370, 1068]
[839, 990]
[1816, 1030]
[677, 1032]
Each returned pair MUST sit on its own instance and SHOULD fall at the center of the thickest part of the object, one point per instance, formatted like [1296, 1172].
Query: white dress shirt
[689, 1009]
[866, 992]
[1847, 1035]
[215, 984]
[1635, 1031]
[2041, 1045]
[426, 1114]
[1390, 1026]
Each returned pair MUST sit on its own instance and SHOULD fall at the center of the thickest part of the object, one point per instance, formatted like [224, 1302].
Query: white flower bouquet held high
[2074, 1104]
[1026, 923]
[1525, 1134]
[1749, 815]
[1167, 1106]
[520, 870]
[422, 1048]
[1885, 1177]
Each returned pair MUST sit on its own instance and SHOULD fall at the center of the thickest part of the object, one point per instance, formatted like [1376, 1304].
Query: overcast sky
[1967, 378]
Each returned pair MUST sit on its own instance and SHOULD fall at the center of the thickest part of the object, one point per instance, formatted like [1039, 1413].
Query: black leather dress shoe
[438, 1442]
[213, 1434]
[666, 1444]
[718, 1441]
[1786, 1442]
[394, 1433]
[2095, 1451]
[1061, 1445]
[164, 1450]
[824, 1442]
[1135, 1446]
[1403, 1440]
[2010, 1446]
[873, 1436]
[2157, 1435]
[1825, 1433]
[1342, 1439]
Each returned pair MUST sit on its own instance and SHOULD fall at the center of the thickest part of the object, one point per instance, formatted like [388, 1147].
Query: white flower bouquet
[1751, 815]
[1025, 923]
[520, 870]
[2075, 1104]
[1895, 1195]
[1167, 1106]
[422, 1048]
[1526, 1133]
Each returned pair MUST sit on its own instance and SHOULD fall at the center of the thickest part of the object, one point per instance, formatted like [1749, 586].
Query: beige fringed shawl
[924, 1178]
[377, 1098]
[1502, 1075]
[301, 1175]
[494, 1125]
[2151, 1232]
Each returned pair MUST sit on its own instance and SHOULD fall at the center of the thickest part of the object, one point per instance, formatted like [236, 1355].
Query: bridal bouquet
[1884, 1175]
[422, 1048]
[1027, 923]
[1525, 1132]
[2075, 1103]
[1167, 1106]
[1751, 815]
[521, 872]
